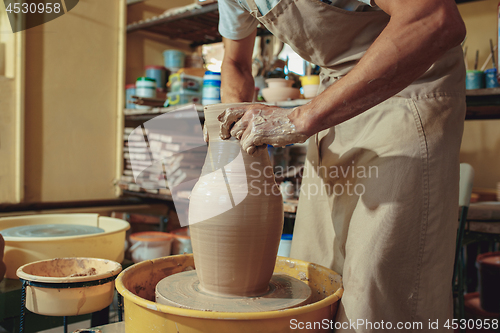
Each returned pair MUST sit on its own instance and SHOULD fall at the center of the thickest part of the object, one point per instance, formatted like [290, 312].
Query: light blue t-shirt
[235, 21]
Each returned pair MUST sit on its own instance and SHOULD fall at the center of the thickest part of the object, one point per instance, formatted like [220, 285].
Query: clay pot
[235, 216]
[310, 91]
[278, 94]
[277, 82]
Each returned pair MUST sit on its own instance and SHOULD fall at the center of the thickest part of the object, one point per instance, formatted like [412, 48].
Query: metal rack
[198, 25]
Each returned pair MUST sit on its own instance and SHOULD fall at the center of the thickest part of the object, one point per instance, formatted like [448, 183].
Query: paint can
[145, 87]
[211, 88]
[160, 74]
[285, 245]
[490, 77]
[474, 79]
[150, 245]
[173, 60]
[129, 92]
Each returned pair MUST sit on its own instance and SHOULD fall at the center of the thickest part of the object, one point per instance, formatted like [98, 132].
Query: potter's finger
[251, 150]
[246, 140]
[229, 117]
[221, 116]
[249, 144]
[237, 135]
[239, 128]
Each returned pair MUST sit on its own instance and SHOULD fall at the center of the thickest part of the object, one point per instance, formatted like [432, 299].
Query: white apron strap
[254, 10]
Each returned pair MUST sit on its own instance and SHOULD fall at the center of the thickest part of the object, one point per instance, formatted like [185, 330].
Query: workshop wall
[9, 83]
[481, 140]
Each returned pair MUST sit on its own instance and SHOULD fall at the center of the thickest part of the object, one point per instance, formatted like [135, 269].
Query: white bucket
[150, 245]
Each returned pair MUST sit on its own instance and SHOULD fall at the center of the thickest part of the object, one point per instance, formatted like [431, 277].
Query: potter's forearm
[236, 73]
[414, 39]
[237, 85]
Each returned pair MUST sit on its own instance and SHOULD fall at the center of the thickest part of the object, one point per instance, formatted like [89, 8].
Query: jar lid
[144, 78]
[130, 85]
[286, 236]
[155, 67]
[491, 70]
[211, 73]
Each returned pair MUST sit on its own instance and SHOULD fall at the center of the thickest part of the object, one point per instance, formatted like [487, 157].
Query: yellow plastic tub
[84, 285]
[107, 245]
[309, 80]
[137, 285]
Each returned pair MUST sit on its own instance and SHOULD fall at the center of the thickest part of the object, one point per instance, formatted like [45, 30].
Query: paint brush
[465, 59]
[488, 60]
[492, 54]
[477, 58]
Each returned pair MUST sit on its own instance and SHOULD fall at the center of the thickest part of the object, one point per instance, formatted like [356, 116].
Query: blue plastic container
[174, 60]
[160, 74]
[129, 92]
[474, 80]
[211, 88]
[490, 77]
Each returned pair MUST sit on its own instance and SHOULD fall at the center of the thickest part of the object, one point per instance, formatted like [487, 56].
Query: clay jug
[235, 216]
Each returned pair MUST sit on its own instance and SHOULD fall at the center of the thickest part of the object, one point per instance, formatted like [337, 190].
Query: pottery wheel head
[183, 290]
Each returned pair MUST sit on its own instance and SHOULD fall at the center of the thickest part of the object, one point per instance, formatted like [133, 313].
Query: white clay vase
[235, 216]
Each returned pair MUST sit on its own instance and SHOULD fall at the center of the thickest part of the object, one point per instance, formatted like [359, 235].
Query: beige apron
[379, 197]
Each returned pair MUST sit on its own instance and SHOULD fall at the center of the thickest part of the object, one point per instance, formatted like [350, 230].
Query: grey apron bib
[379, 195]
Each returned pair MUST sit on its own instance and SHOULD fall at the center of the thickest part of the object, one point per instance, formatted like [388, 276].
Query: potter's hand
[256, 124]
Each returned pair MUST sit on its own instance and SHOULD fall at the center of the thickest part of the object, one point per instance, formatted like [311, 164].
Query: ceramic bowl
[273, 83]
[310, 91]
[279, 94]
[60, 288]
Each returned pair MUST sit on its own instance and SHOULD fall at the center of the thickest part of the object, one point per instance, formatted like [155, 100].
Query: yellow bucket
[22, 250]
[137, 285]
[309, 80]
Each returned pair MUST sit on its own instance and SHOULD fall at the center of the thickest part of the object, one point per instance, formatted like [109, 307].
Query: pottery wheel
[183, 290]
[51, 230]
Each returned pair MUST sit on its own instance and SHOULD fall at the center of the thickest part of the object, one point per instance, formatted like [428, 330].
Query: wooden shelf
[483, 104]
[197, 24]
[146, 114]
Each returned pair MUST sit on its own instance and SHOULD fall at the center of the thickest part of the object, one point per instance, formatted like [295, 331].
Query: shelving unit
[198, 24]
[483, 104]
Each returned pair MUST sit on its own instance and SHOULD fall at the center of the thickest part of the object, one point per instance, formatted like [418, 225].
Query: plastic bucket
[488, 265]
[174, 60]
[181, 242]
[150, 245]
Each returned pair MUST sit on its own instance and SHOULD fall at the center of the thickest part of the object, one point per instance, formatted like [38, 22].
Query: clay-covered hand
[257, 124]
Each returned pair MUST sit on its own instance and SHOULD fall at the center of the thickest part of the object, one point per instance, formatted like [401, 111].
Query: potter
[391, 95]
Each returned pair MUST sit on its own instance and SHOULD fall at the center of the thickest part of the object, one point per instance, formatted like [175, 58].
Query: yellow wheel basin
[23, 250]
[137, 286]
